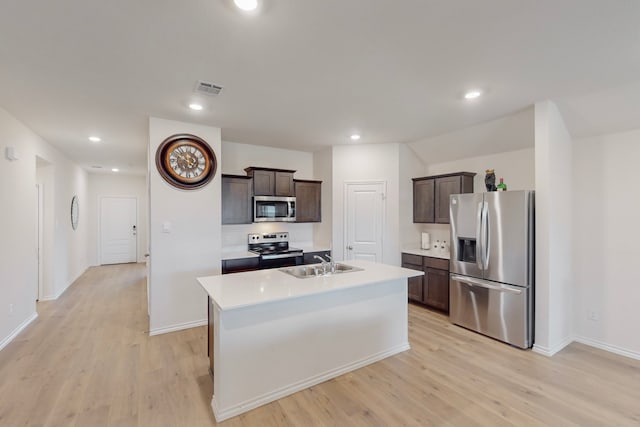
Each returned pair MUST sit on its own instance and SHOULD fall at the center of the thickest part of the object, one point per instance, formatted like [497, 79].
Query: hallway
[89, 361]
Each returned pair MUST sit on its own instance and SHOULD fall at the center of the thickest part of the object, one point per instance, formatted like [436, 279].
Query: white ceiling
[306, 74]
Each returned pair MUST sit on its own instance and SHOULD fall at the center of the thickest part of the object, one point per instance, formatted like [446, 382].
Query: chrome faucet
[332, 263]
[324, 263]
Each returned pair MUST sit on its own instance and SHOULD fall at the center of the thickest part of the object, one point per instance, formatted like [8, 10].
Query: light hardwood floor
[89, 361]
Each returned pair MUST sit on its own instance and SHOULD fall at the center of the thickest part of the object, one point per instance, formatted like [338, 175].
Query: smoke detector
[207, 88]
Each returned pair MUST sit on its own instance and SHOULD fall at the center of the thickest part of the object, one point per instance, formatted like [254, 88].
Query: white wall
[368, 162]
[192, 248]
[239, 156]
[410, 166]
[516, 167]
[234, 236]
[554, 291]
[66, 253]
[45, 178]
[101, 185]
[235, 158]
[323, 171]
[512, 132]
[606, 232]
[70, 246]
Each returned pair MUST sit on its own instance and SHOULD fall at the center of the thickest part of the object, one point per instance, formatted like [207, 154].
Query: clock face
[186, 161]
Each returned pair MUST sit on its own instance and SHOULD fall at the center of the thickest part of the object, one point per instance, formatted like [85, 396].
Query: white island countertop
[249, 288]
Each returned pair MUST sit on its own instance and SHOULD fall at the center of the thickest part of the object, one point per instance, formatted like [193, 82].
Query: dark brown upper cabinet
[308, 205]
[431, 195]
[423, 200]
[271, 182]
[236, 199]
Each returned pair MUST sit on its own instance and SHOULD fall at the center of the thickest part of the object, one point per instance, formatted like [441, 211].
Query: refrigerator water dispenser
[466, 250]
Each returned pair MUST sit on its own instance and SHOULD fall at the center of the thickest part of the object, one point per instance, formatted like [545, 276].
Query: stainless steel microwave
[274, 209]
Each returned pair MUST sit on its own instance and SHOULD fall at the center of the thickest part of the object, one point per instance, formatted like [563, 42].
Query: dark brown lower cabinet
[415, 286]
[414, 262]
[238, 265]
[436, 292]
[432, 289]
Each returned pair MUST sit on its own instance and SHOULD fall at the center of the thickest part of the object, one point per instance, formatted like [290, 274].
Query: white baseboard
[608, 347]
[223, 414]
[178, 327]
[590, 342]
[56, 296]
[59, 294]
[545, 351]
[17, 330]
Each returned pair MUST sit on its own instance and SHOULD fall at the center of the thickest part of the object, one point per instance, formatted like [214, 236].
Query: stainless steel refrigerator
[491, 281]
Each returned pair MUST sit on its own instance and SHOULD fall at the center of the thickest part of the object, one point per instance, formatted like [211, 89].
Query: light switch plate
[11, 153]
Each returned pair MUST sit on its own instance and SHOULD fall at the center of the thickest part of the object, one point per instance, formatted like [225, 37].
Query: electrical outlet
[10, 308]
[593, 315]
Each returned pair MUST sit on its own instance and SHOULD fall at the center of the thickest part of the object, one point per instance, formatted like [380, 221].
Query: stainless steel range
[274, 250]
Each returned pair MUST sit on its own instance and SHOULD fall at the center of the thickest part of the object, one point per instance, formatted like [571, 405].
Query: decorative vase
[490, 180]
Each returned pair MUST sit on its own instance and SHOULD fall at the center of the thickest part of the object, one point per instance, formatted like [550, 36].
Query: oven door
[281, 260]
[274, 209]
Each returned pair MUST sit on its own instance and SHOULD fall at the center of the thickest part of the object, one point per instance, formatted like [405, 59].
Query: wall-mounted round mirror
[75, 212]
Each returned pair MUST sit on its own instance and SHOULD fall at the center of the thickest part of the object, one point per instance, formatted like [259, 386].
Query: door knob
[350, 247]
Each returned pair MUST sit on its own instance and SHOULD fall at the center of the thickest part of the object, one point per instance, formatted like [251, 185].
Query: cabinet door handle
[350, 247]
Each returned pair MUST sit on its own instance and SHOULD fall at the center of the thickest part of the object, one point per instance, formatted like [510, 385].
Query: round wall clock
[75, 212]
[186, 161]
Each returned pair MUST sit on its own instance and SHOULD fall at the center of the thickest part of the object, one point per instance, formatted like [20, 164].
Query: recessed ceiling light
[94, 139]
[355, 137]
[472, 94]
[196, 107]
[247, 5]
[115, 170]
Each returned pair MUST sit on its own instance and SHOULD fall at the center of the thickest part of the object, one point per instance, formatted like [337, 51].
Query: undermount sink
[315, 270]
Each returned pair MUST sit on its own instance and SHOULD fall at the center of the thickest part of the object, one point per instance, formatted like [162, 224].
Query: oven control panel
[268, 237]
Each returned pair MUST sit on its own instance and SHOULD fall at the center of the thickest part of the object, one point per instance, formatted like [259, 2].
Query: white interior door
[364, 207]
[118, 230]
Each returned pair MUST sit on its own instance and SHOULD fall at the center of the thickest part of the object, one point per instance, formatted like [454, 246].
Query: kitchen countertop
[433, 253]
[230, 291]
[238, 253]
[310, 247]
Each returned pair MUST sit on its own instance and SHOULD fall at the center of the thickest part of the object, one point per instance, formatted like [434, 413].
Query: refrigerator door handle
[486, 246]
[479, 262]
[482, 284]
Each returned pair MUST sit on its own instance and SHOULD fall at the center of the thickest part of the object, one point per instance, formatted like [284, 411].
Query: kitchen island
[274, 334]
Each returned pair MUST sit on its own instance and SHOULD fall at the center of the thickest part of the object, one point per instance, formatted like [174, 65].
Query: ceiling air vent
[96, 167]
[207, 88]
